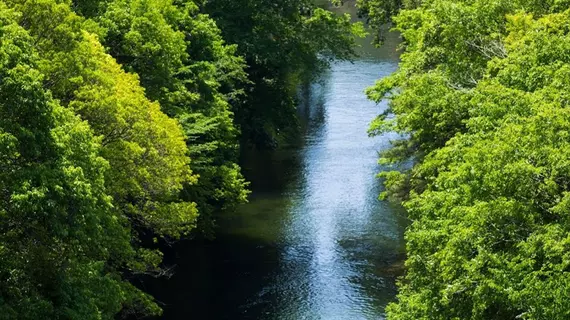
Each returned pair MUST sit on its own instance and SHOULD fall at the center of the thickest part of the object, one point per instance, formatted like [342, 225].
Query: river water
[313, 242]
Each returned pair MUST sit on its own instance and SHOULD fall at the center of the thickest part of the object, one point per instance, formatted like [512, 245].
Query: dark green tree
[283, 43]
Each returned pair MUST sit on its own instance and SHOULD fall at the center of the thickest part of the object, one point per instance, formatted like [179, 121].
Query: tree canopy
[481, 98]
[282, 43]
[61, 242]
[184, 64]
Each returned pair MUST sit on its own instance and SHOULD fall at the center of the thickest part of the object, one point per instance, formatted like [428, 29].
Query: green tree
[184, 64]
[447, 47]
[61, 242]
[283, 43]
[145, 148]
[488, 195]
[146, 151]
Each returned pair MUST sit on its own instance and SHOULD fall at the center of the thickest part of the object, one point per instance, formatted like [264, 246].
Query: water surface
[313, 242]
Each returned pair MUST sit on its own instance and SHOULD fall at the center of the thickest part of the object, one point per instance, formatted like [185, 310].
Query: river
[313, 242]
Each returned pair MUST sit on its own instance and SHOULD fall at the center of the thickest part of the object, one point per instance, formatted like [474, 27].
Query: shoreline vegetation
[481, 97]
[120, 125]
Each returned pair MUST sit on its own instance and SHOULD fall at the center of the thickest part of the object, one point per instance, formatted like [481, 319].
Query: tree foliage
[482, 96]
[102, 105]
[184, 64]
[61, 242]
[77, 188]
[145, 148]
[283, 43]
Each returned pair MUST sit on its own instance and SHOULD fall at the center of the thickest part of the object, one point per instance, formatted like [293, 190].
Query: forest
[481, 101]
[122, 123]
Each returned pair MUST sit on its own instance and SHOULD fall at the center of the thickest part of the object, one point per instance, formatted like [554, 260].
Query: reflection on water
[314, 242]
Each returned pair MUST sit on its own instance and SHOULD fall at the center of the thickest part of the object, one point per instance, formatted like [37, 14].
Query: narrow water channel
[313, 242]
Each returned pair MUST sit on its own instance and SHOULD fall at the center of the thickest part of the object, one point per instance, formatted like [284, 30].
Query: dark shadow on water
[212, 278]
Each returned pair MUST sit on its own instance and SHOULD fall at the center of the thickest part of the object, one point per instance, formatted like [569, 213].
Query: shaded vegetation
[283, 44]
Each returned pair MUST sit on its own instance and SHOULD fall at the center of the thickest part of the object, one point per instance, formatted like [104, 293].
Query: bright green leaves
[448, 45]
[489, 192]
[73, 189]
[184, 64]
[144, 147]
[59, 236]
[428, 107]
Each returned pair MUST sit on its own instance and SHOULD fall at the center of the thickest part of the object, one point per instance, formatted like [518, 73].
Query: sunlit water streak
[335, 230]
[314, 242]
